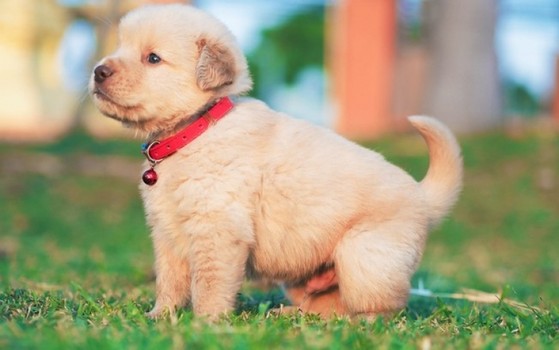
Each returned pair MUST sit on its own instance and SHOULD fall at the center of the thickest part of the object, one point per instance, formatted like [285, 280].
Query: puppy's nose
[101, 73]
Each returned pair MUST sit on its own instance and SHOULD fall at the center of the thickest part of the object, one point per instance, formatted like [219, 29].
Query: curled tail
[443, 181]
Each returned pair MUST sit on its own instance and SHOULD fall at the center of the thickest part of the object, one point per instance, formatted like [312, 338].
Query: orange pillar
[363, 39]
[555, 101]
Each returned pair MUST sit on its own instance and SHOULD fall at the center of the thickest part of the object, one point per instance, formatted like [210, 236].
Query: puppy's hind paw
[284, 310]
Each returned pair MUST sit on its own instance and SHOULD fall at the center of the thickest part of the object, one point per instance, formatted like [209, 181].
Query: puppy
[234, 189]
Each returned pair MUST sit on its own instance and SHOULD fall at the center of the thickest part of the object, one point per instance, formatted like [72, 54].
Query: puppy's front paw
[159, 312]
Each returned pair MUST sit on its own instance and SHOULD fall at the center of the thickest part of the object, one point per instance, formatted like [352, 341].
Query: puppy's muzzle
[102, 73]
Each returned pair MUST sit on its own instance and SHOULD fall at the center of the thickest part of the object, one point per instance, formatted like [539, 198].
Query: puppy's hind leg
[318, 295]
[374, 264]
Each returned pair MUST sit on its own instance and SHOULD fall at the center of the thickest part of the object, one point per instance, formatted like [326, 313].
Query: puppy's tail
[443, 181]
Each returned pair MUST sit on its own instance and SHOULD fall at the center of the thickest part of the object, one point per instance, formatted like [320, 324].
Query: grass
[75, 259]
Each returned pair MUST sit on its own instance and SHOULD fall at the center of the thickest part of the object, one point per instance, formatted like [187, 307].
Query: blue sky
[527, 42]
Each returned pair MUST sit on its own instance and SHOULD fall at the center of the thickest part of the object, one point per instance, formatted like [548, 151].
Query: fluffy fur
[260, 193]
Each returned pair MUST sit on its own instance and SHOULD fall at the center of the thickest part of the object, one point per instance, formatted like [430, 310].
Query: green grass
[75, 260]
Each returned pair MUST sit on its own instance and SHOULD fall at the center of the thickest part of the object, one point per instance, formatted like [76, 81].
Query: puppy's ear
[215, 67]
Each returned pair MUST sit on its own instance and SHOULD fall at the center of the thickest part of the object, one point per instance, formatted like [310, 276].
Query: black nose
[101, 73]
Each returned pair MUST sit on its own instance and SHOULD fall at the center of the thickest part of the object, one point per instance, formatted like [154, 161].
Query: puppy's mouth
[131, 116]
[103, 97]
[99, 94]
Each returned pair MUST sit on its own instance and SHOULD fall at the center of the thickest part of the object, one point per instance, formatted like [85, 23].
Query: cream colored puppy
[260, 193]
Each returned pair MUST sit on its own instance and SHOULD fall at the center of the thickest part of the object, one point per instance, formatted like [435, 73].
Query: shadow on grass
[258, 301]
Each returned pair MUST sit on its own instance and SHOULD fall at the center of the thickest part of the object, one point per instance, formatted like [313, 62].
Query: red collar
[158, 150]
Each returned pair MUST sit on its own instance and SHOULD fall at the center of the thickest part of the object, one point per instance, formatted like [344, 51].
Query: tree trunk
[464, 87]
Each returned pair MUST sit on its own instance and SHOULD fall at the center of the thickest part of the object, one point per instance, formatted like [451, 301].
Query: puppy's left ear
[215, 67]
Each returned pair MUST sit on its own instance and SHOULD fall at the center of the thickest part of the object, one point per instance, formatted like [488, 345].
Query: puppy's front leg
[172, 281]
[218, 262]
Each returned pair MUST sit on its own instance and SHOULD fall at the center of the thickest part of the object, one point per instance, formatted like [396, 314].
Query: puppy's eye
[153, 58]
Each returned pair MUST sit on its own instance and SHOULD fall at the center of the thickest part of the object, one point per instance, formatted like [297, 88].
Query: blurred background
[70, 209]
[356, 66]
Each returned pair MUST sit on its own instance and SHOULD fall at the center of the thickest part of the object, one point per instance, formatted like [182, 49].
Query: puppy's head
[172, 61]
